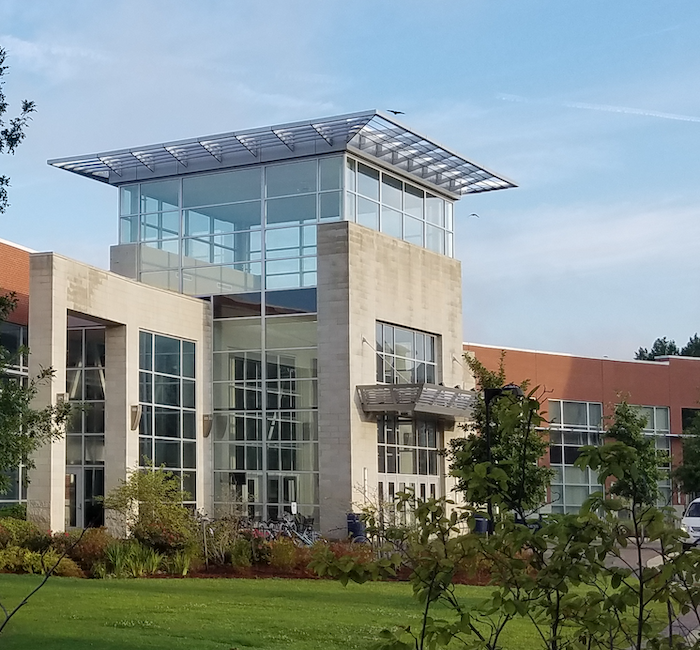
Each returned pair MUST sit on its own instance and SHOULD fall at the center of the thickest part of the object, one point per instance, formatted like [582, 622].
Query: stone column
[46, 496]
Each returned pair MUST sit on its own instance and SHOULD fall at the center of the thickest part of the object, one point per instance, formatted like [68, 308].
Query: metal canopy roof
[370, 134]
[429, 399]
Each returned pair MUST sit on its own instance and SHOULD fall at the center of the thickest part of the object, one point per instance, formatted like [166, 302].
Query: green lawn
[215, 614]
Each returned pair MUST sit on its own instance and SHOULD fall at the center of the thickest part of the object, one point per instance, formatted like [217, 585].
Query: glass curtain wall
[385, 202]
[168, 426]
[13, 339]
[266, 404]
[572, 425]
[234, 231]
[254, 228]
[407, 449]
[85, 431]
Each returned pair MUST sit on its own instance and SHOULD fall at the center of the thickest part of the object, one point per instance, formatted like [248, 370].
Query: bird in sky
[474, 214]
[396, 112]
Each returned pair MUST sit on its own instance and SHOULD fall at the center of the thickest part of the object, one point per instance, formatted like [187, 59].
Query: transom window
[405, 356]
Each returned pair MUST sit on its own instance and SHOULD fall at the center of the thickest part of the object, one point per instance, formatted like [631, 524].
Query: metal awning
[424, 399]
[369, 133]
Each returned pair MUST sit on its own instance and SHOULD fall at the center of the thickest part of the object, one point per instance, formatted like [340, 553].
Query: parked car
[690, 523]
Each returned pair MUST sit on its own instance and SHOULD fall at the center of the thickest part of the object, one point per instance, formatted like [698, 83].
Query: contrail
[632, 111]
[604, 107]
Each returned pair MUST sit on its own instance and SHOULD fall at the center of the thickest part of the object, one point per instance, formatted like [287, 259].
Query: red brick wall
[673, 382]
[14, 276]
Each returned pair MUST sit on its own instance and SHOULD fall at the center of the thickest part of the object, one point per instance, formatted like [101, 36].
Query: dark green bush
[27, 535]
[241, 552]
[15, 511]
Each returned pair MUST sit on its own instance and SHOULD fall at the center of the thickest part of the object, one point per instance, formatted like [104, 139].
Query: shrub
[15, 511]
[179, 564]
[150, 502]
[27, 535]
[283, 554]
[241, 553]
[16, 559]
[5, 536]
[130, 559]
[220, 537]
[88, 551]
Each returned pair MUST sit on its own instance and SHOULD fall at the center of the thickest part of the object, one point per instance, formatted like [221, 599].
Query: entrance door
[74, 499]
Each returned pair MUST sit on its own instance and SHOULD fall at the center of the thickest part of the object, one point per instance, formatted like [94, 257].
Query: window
[386, 203]
[405, 356]
[658, 427]
[167, 394]
[572, 425]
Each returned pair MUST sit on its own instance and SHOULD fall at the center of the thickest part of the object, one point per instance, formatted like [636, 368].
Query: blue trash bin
[481, 524]
[356, 527]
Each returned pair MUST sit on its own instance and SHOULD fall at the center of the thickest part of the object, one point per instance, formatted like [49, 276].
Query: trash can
[481, 524]
[356, 527]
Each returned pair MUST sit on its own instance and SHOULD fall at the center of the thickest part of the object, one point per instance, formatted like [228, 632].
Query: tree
[687, 474]
[515, 481]
[692, 347]
[12, 131]
[661, 348]
[23, 428]
[639, 483]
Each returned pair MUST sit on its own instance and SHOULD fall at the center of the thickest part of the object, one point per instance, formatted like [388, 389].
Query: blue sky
[593, 108]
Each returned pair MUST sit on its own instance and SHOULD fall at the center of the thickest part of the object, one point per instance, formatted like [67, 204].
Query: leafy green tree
[639, 482]
[515, 481]
[661, 348]
[692, 347]
[687, 474]
[12, 131]
[23, 428]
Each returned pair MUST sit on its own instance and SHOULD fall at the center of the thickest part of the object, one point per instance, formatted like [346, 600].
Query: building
[267, 330]
[578, 394]
[14, 278]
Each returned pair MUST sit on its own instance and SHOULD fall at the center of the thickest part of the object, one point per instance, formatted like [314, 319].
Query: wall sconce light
[135, 416]
[62, 397]
[207, 423]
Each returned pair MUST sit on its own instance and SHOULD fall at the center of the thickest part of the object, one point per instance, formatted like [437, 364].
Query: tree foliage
[150, 504]
[581, 580]
[687, 474]
[666, 348]
[11, 131]
[23, 428]
[515, 481]
[630, 458]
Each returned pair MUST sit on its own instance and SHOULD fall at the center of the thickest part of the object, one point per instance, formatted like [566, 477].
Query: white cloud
[55, 62]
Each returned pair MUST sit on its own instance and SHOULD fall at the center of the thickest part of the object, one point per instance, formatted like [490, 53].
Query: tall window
[265, 403]
[13, 338]
[168, 427]
[572, 425]
[658, 426]
[85, 431]
[405, 356]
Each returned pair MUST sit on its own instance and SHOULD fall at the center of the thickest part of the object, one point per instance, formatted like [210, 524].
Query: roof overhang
[418, 399]
[371, 134]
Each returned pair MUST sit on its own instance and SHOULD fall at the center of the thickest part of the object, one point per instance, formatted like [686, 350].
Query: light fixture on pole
[490, 394]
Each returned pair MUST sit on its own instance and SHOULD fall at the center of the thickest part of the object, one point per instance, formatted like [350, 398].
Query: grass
[212, 614]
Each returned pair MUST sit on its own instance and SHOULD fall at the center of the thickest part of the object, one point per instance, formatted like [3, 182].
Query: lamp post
[491, 394]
